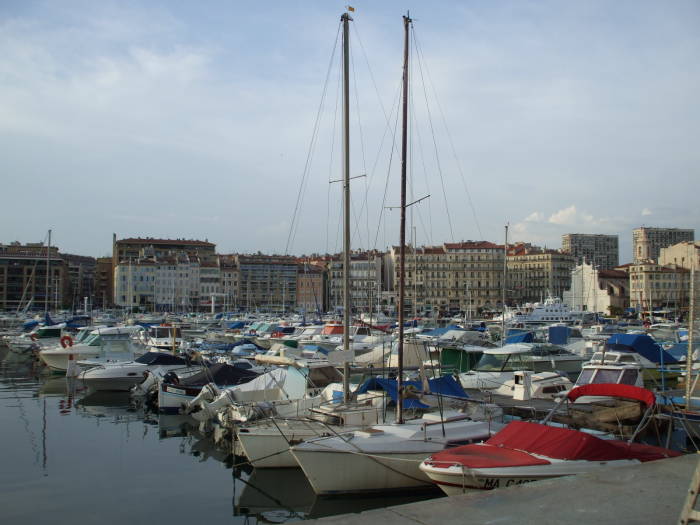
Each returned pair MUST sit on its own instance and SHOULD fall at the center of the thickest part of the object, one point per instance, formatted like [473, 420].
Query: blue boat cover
[643, 344]
[28, 325]
[236, 325]
[558, 335]
[437, 332]
[445, 385]
[522, 337]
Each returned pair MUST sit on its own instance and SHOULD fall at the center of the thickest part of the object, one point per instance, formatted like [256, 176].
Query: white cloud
[535, 216]
[565, 216]
[646, 211]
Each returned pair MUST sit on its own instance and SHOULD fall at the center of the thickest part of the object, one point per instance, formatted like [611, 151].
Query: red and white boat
[524, 451]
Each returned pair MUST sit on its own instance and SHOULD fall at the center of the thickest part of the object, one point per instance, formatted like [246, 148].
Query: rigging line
[428, 231]
[432, 131]
[309, 156]
[449, 138]
[387, 118]
[362, 149]
[388, 171]
[312, 148]
[332, 155]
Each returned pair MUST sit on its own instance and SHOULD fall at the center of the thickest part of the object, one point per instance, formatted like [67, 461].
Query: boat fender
[66, 341]
[33, 337]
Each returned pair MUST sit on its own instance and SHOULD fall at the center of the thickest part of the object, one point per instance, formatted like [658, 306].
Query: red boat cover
[484, 456]
[564, 443]
[613, 390]
[514, 445]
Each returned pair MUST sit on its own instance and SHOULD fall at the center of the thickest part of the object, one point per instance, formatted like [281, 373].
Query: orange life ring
[33, 337]
[277, 335]
[66, 341]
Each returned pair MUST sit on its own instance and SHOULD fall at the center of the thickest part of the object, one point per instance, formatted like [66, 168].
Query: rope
[309, 156]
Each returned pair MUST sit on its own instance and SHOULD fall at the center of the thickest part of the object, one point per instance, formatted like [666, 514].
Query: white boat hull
[455, 479]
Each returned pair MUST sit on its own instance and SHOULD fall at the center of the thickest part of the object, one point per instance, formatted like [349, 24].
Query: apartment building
[535, 273]
[647, 242]
[23, 277]
[602, 251]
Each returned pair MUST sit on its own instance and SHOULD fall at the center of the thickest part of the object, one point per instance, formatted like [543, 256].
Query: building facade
[23, 277]
[599, 250]
[365, 282]
[535, 273]
[648, 242]
[653, 286]
[267, 282]
[684, 255]
[594, 290]
[310, 288]
[451, 279]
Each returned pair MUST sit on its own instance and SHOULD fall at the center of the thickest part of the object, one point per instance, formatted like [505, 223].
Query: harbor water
[71, 455]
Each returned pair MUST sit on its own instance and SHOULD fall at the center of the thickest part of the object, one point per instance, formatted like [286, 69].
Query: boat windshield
[592, 376]
[93, 340]
[504, 363]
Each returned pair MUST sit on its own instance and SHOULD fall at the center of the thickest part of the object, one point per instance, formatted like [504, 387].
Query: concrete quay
[650, 493]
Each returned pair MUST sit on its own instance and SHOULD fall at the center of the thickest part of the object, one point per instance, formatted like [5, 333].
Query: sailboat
[386, 457]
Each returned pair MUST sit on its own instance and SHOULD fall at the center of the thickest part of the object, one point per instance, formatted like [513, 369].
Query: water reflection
[73, 446]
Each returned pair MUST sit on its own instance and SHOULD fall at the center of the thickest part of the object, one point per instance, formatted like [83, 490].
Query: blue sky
[194, 119]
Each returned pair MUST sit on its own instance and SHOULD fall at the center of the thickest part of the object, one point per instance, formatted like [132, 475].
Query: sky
[221, 120]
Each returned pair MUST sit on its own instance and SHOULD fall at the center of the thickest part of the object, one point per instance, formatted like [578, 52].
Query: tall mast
[346, 200]
[503, 289]
[48, 274]
[402, 247]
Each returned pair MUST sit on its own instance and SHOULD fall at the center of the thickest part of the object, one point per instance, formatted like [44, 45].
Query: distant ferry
[553, 310]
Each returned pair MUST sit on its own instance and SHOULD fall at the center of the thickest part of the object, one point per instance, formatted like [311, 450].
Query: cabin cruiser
[163, 337]
[497, 365]
[123, 375]
[101, 345]
[42, 336]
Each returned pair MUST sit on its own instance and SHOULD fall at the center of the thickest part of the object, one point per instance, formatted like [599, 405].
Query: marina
[385, 369]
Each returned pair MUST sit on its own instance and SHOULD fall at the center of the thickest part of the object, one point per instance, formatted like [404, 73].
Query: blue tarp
[29, 325]
[437, 332]
[558, 335]
[522, 337]
[643, 344]
[443, 385]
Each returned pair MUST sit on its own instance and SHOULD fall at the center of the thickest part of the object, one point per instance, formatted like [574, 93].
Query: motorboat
[100, 346]
[497, 365]
[176, 390]
[42, 336]
[163, 337]
[525, 451]
[123, 375]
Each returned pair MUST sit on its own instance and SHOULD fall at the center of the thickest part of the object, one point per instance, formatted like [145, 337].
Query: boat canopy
[613, 390]
[221, 374]
[643, 344]
[521, 337]
[515, 348]
[236, 325]
[160, 358]
[445, 385]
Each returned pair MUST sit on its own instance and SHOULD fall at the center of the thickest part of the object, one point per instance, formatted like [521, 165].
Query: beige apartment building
[455, 277]
[684, 255]
[654, 286]
[535, 273]
[647, 242]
